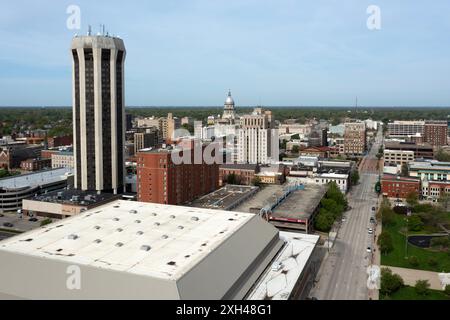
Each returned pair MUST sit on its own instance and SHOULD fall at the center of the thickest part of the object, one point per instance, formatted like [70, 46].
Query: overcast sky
[275, 53]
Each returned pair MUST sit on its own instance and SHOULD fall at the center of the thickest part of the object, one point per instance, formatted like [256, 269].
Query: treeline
[60, 118]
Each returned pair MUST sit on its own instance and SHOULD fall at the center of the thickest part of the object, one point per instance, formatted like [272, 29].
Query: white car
[370, 230]
[369, 249]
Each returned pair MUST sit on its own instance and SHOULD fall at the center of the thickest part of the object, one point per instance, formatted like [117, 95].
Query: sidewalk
[410, 276]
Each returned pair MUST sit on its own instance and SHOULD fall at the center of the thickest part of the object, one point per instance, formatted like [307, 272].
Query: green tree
[46, 221]
[256, 181]
[386, 213]
[355, 177]
[324, 220]
[415, 223]
[412, 198]
[413, 261]
[432, 261]
[390, 282]
[404, 170]
[385, 242]
[422, 287]
[441, 242]
[231, 178]
[189, 127]
[441, 155]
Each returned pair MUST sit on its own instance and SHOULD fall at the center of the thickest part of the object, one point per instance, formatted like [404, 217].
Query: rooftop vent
[133, 211]
[154, 214]
[165, 236]
[97, 240]
[116, 219]
[172, 216]
[145, 247]
[116, 206]
[119, 229]
[157, 223]
[180, 227]
[171, 263]
[119, 244]
[137, 221]
[97, 227]
[139, 233]
[72, 237]
[194, 219]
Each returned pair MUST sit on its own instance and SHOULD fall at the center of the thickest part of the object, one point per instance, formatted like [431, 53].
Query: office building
[398, 157]
[98, 112]
[435, 133]
[355, 138]
[257, 141]
[59, 141]
[63, 159]
[36, 164]
[144, 140]
[405, 128]
[393, 186]
[161, 180]
[424, 150]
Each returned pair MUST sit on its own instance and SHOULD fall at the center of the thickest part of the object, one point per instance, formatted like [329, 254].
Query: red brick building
[160, 180]
[35, 164]
[60, 141]
[244, 173]
[435, 133]
[393, 186]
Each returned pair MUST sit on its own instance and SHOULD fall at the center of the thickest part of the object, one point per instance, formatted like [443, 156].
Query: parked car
[373, 209]
[8, 224]
[370, 230]
[1, 215]
[369, 249]
[33, 219]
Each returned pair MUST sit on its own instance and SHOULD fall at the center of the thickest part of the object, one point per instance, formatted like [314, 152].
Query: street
[343, 275]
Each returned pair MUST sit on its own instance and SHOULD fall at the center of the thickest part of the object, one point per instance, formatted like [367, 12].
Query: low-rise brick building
[393, 186]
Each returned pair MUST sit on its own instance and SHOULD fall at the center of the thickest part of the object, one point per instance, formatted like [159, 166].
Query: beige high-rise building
[172, 124]
[355, 138]
[256, 140]
[98, 112]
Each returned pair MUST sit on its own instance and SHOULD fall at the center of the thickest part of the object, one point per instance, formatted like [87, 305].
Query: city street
[343, 274]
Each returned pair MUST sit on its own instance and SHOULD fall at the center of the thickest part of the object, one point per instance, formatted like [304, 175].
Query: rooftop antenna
[89, 30]
[356, 105]
[103, 30]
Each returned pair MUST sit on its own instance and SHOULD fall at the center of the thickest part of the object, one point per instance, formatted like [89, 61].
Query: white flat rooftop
[35, 179]
[141, 238]
[278, 285]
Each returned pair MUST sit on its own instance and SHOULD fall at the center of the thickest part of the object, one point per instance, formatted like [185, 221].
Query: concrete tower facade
[98, 112]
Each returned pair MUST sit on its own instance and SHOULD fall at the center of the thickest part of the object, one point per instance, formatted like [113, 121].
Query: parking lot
[19, 224]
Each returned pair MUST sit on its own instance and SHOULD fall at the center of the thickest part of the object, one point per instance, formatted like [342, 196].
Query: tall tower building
[98, 112]
[257, 139]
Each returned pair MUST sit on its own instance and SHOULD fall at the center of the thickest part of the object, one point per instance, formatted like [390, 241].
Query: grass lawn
[396, 257]
[409, 293]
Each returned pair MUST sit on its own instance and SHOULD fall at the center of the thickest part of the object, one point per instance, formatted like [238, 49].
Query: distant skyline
[273, 53]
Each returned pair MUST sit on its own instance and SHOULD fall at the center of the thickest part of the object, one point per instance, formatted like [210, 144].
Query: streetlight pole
[406, 240]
